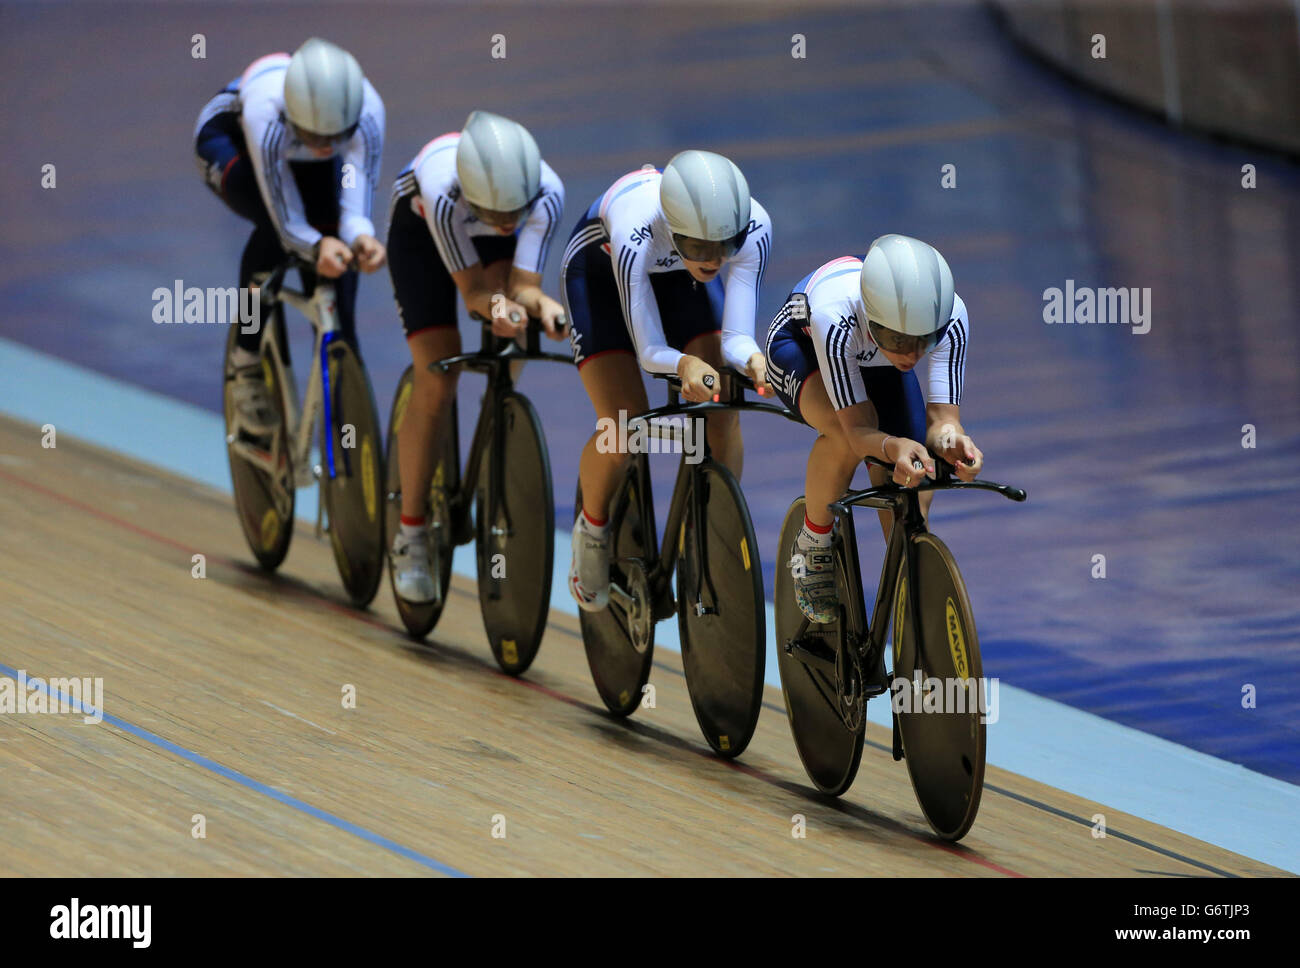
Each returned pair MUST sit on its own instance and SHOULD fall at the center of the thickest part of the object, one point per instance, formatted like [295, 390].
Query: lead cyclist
[275, 145]
[841, 354]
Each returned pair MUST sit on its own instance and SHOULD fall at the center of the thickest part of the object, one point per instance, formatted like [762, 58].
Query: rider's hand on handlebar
[912, 462]
[554, 322]
[694, 372]
[967, 459]
[509, 319]
[370, 253]
[756, 370]
[332, 257]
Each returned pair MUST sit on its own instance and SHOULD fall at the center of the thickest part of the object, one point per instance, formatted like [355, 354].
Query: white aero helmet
[323, 90]
[705, 199]
[907, 292]
[499, 168]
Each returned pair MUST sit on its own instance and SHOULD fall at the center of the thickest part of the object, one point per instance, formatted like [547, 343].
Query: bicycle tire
[618, 670]
[944, 750]
[267, 530]
[352, 492]
[419, 618]
[515, 588]
[723, 654]
[830, 752]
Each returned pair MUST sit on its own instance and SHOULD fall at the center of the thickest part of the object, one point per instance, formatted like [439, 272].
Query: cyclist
[475, 212]
[643, 284]
[308, 117]
[841, 354]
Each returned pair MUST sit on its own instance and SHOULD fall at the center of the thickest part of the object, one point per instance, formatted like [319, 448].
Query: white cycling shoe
[813, 571]
[589, 569]
[412, 577]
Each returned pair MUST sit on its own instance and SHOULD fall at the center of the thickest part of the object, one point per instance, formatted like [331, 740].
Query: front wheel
[942, 726]
[720, 610]
[515, 535]
[352, 475]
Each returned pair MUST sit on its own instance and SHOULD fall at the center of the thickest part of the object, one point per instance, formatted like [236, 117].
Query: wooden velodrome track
[222, 697]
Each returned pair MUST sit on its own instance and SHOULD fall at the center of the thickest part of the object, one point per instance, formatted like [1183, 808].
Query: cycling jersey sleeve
[361, 160]
[948, 359]
[266, 136]
[450, 237]
[744, 276]
[629, 253]
[837, 340]
[543, 221]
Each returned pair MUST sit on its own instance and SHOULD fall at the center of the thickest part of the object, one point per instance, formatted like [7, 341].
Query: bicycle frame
[868, 651]
[493, 358]
[659, 568]
[321, 310]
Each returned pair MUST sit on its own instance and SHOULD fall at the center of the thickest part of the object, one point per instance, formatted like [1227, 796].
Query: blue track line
[269, 791]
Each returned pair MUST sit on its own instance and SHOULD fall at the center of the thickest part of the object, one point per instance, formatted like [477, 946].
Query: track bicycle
[266, 470]
[507, 478]
[709, 543]
[828, 672]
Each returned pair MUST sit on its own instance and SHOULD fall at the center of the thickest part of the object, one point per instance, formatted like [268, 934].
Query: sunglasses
[312, 140]
[895, 342]
[501, 219]
[706, 250]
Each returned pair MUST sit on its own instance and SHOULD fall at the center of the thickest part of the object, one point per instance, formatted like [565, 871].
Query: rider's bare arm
[946, 437]
[525, 288]
[483, 292]
[866, 440]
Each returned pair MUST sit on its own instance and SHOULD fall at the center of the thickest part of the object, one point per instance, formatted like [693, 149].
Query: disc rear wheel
[807, 655]
[619, 640]
[264, 498]
[420, 617]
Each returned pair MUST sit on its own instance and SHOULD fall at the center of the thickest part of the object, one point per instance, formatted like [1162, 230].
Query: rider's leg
[901, 407]
[426, 416]
[832, 463]
[426, 303]
[792, 368]
[613, 382]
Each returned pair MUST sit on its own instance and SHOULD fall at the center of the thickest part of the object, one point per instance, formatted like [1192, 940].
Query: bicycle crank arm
[813, 654]
[617, 596]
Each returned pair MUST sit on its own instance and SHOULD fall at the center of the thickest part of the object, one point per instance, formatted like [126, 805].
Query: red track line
[369, 619]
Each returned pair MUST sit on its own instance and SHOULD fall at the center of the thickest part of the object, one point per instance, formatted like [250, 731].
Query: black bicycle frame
[659, 568]
[493, 358]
